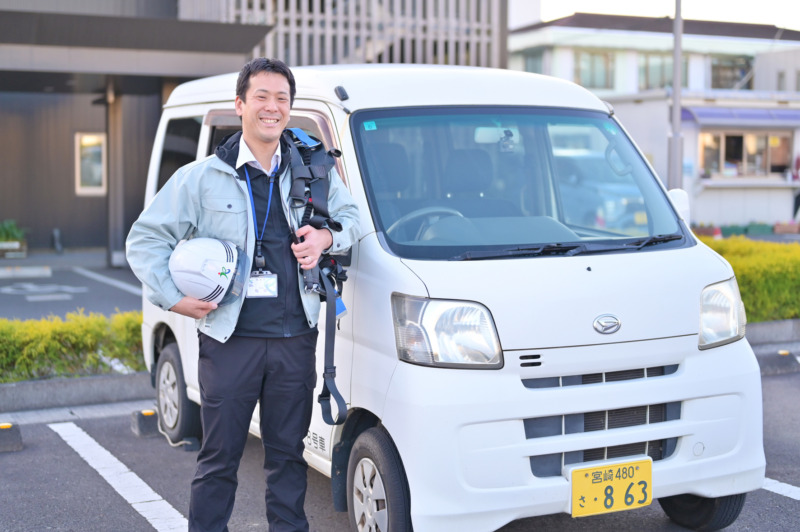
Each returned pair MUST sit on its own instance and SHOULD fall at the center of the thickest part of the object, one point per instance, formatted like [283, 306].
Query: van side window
[309, 126]
[180, 146]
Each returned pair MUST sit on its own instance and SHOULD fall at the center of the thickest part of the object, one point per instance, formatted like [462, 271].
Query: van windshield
[482, 182]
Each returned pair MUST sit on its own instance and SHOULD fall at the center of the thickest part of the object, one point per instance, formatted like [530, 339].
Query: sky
[775, 12]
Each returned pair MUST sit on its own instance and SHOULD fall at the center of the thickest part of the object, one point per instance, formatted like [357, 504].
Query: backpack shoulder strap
[311, 165]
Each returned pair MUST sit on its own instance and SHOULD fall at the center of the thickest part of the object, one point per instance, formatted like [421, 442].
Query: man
[258, 348]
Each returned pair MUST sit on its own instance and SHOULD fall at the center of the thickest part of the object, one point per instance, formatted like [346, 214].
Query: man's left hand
[315, 241]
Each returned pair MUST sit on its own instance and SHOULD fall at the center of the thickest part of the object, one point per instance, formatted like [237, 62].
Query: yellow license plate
[640, 218]
[612, 488]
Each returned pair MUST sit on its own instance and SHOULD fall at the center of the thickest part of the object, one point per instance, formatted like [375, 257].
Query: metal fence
[314, 32]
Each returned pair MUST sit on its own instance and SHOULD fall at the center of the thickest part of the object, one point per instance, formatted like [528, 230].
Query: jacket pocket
[224, 218]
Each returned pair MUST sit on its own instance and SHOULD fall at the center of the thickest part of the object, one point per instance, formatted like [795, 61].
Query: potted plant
[12, 240]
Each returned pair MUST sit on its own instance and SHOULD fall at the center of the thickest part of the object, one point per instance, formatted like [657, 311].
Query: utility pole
[675, 163]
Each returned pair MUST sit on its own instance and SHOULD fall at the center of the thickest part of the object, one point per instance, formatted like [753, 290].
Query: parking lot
[133, 483]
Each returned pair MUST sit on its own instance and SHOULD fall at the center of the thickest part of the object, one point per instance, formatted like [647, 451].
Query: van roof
[394, 85]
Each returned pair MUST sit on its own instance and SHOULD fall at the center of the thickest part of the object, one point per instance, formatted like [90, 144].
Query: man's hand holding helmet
[193, 308]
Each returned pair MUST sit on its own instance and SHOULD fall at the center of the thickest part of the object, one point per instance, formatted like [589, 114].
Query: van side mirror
[680, 200]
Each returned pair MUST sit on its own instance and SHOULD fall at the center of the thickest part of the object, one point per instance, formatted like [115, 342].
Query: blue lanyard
[260, 263]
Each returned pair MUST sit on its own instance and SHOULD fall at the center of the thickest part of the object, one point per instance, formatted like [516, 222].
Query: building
[740, 101]
[81, 88]
[82, 84]
[323, 32]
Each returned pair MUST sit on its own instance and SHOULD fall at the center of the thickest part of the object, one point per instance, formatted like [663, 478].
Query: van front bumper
[470, 461]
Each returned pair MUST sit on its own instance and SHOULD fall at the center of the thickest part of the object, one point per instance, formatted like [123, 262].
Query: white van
[531, 326]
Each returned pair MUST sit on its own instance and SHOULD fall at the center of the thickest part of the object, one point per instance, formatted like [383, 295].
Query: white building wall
[647, 122]
[697, 72]
[767, 65]
[626, 75]
[563, 64]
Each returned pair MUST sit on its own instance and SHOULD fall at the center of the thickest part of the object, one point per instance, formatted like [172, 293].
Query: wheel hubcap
[168, 395]
[369, 498]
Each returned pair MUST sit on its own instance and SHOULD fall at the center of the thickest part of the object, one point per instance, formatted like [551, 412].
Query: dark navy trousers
[234, 376]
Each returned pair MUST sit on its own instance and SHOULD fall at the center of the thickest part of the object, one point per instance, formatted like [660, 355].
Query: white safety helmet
[209, 269]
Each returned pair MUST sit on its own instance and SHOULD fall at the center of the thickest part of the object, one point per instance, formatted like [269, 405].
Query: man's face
[265, 110]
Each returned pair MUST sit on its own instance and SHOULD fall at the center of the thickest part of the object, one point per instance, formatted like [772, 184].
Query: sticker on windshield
[370, 126]
[610, 128]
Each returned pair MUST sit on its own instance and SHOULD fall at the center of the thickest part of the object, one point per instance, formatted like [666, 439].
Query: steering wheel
[425, 212]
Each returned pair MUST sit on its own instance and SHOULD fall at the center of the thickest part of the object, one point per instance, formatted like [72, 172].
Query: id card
[262, 284]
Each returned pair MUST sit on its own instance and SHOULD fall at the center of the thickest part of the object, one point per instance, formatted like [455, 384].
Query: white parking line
[158, 512]
[135, 290]
[25, 272]
[48, 297]
[787, 490]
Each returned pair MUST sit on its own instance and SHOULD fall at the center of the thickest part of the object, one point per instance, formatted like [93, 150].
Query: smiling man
[260, 349]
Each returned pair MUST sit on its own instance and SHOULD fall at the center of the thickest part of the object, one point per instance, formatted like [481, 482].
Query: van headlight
[722, 317]
[443, 333]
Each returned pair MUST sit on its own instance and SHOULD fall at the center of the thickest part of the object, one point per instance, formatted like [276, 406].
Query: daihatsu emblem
[607, 324]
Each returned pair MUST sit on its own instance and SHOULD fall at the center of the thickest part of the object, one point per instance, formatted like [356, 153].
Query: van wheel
[178, 416]
[702, 513]
[377, 489]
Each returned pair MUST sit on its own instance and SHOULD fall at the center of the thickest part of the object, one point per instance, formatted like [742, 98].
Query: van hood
[543, 302]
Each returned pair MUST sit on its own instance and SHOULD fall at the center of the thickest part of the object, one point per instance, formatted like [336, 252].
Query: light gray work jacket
[206, 199]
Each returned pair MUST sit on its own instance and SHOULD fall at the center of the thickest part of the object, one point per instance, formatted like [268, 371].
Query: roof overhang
[59, 29]
[742, 117]
[54, 52]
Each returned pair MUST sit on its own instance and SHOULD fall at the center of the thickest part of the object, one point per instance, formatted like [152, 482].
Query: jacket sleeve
[342, 208]
[169, 218]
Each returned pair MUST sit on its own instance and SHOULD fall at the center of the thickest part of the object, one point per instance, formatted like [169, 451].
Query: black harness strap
[310, 186]
[329, 375]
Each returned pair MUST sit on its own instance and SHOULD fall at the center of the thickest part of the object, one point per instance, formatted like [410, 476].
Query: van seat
[466, 184]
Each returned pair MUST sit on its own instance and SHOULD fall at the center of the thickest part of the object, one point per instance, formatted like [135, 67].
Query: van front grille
[591, 378]
[551, 465]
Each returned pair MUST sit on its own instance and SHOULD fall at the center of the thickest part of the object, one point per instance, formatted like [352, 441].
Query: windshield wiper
[532, 251]
[571, 249]
[631, 245]
[656, 239]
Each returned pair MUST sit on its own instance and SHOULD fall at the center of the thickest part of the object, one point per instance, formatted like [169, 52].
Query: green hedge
[768, 274]
[76, 346]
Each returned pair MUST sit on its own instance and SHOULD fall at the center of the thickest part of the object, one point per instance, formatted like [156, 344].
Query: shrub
[10, 231]
[78, 345]
[768, 274]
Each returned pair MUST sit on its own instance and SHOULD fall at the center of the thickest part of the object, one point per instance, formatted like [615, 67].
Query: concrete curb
[771, 338]
[60, 392]
[769, 332]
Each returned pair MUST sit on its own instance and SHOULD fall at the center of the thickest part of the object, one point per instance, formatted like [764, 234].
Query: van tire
[375, 470]
[178, 417]
[703, 513]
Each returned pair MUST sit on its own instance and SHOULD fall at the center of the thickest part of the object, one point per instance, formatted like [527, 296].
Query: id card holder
[262, 284]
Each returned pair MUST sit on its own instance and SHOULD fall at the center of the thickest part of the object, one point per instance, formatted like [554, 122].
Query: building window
[90, 164]
[534, 62]
[594, 70]
[731, 73]
[655, 71]
[781, 85]
[737, 154]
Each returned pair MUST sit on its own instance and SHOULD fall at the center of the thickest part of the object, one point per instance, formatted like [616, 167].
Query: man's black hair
[262, 64]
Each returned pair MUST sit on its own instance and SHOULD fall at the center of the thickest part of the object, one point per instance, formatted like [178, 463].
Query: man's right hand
[193, 308]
